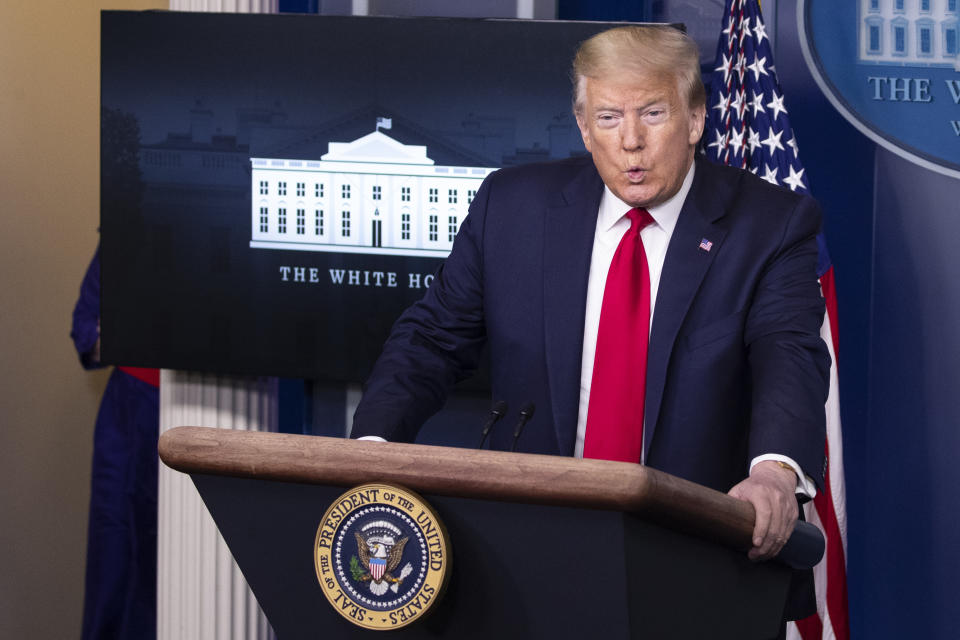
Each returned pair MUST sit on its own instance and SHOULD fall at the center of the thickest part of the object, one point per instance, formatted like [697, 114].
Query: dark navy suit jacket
[736, 367]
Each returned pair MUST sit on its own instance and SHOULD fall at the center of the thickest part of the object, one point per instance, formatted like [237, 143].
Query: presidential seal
[382, 556]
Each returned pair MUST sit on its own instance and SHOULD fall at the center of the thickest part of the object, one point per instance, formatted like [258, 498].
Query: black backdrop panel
[189, 99]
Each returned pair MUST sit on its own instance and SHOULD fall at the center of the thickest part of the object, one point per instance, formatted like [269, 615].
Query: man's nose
[632, 133]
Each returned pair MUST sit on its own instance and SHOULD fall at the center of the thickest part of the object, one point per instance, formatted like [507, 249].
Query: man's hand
[771, 489]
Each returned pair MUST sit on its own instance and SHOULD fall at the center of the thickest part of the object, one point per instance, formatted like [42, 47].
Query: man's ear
[698, 117]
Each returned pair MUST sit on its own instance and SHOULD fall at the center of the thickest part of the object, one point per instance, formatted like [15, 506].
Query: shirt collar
[665, 215]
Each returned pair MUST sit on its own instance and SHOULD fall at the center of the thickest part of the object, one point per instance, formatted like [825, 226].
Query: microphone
[498, 411]
[526, 412]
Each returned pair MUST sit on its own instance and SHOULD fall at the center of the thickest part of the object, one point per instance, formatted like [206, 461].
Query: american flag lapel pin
[706, 245]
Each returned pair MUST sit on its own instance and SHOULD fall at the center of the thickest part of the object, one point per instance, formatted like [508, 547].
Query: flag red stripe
[836, 582]
[836, 558]
[836, 563]
[810, 628]
[829, 288]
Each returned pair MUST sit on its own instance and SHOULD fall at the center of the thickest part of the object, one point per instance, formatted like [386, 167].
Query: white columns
[201, 593]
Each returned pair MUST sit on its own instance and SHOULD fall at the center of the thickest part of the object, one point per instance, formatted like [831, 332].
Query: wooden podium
[543, 546]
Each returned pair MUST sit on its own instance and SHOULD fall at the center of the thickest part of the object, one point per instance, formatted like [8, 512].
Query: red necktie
[617, 392]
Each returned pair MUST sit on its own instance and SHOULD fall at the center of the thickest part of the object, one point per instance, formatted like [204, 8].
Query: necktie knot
[639, 219]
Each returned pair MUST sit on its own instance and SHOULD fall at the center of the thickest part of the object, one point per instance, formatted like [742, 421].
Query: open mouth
[636, 174]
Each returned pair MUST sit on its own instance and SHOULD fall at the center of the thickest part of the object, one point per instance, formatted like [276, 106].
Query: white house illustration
[921, 33]
[374, 195]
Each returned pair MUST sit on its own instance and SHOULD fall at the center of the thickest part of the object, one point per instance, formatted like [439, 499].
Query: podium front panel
[531, 571]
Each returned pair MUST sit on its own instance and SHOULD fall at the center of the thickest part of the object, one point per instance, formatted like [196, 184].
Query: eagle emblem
[400, 565]
[380, 548]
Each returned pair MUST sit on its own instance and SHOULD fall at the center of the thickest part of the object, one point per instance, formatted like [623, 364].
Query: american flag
[748, 127]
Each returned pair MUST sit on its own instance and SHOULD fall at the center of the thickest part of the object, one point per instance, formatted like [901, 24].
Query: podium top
[468, 473]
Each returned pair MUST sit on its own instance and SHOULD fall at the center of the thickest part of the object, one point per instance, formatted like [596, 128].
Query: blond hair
[640, 50]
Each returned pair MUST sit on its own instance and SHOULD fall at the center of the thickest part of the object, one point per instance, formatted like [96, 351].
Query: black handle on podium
[804, 548]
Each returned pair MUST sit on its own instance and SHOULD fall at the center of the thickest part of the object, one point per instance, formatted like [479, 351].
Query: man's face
[642, 135]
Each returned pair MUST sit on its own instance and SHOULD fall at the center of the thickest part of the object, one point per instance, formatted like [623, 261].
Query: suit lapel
[684, 268]
[569, 225]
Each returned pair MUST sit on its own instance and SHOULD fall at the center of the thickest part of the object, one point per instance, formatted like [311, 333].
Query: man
[729, 389]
